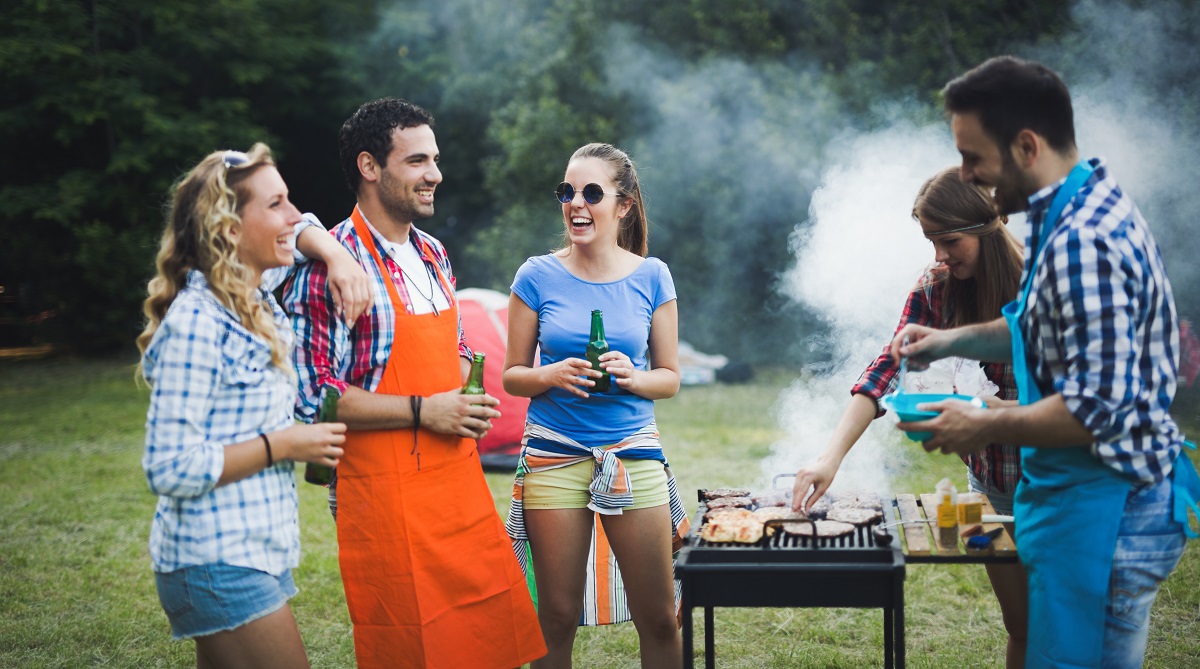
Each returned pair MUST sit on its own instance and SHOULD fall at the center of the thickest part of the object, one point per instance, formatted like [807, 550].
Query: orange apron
[430, 577]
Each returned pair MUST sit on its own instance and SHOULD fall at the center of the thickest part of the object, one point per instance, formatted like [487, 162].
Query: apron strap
[1186, 485]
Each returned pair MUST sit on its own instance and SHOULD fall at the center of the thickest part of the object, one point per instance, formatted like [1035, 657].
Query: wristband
[267, 443]
[414, 403]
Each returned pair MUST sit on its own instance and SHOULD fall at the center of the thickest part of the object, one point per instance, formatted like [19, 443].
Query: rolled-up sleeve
[322, 344]
[1095, 299]
[179, 460]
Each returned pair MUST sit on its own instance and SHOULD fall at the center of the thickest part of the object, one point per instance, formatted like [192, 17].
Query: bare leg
[1011, 587]
[559, 540]
[271, 642]
[641, 540]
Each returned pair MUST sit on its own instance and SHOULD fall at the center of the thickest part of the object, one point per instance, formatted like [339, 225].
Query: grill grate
[787, 570]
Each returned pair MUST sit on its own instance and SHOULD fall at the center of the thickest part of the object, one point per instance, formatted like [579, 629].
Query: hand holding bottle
[574, 375]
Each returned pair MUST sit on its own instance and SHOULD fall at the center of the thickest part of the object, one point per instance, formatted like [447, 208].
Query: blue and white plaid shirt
[213, 384]
[1101, 327]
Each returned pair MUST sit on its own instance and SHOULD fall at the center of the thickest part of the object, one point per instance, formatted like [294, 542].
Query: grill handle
[775, 479]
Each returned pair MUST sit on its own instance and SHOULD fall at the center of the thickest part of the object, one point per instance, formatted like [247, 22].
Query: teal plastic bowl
[905, 405]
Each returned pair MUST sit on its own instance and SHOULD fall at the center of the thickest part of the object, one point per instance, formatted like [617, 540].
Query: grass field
[76, 588]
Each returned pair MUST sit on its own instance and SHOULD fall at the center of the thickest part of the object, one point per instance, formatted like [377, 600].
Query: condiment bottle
[970, 508]
[947, 513]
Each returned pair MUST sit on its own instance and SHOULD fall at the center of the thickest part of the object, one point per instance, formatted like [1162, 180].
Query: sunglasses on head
[232, 159]
[592, 193]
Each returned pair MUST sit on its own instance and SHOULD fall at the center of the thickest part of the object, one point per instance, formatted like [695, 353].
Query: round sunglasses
[592, 193]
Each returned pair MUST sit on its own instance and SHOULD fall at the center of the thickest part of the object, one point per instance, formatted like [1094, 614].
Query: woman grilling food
[977, 271]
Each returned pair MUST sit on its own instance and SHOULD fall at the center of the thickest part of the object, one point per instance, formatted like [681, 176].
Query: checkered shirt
[1101, 327]
[998, 465]
[332, 354]
[213, 384]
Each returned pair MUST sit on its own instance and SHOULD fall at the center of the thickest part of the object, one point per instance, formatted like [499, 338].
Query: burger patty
[728, 502]
[724, 492]
[854, 515]
[826, 529]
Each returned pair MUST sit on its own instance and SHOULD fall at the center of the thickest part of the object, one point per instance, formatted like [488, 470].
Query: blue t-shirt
[564, 304]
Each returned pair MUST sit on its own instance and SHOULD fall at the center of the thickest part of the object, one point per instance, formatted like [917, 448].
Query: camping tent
[485, 322]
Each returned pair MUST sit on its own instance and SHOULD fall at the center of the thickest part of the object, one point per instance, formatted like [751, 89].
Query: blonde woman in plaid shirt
[220, 438]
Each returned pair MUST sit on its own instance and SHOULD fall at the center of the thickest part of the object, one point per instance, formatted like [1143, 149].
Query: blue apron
[1068, 509]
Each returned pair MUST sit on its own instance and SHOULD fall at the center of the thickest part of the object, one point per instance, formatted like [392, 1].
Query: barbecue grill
[786, 570]
[852, 571]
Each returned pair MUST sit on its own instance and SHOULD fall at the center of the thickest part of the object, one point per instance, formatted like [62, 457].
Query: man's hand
[960, 427]
[452, 412]
[921, 345]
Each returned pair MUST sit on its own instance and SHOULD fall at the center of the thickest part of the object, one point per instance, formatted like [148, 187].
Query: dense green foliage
[106, 103]
[727, 107]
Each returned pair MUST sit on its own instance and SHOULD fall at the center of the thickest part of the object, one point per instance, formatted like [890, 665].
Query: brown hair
[201, 234]
[1010, 95]
[948, 205]
[635, 228]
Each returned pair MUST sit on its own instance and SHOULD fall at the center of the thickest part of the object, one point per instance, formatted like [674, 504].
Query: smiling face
[986, 164]
[268, 221]
[406, 185]
[593, 224]
[958, 251]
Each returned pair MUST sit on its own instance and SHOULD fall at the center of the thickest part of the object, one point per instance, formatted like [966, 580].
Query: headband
[947, 232]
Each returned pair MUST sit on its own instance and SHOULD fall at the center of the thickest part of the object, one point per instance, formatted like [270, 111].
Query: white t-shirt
[423, 289]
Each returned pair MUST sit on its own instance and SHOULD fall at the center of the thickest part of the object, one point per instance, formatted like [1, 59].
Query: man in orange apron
[430, 577]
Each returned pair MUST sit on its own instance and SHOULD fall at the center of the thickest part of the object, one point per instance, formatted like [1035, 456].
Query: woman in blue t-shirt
[585, 452]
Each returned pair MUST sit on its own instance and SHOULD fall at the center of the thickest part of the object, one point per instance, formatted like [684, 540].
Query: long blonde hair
[201, 233]
[947, 204]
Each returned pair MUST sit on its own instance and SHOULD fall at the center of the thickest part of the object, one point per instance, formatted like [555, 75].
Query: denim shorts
[210, 598]
[1149, 545]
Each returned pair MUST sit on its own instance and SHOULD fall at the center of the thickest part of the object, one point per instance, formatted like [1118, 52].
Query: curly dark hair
[1010, 95]
[370, 129]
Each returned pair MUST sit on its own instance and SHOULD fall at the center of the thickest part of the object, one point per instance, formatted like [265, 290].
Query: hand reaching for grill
[816, 477]
[452, 412]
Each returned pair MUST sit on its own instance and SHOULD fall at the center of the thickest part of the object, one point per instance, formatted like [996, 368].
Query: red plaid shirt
[999, 465]
[327, 353]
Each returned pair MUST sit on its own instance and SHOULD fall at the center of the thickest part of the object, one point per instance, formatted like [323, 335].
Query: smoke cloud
[859, 234]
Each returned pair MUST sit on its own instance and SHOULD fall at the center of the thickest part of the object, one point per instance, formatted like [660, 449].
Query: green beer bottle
[597, 347]
[474, 384]
[313, 472]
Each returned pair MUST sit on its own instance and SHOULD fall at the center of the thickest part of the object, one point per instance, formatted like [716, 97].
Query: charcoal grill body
[783, 572]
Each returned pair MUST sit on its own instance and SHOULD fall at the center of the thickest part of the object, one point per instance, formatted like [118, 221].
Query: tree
[109, 102]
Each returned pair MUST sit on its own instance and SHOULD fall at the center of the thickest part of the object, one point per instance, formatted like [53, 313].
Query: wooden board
[915, 531]
[1003, 544]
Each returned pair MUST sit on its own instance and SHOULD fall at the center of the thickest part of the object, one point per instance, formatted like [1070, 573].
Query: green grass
[76, 588]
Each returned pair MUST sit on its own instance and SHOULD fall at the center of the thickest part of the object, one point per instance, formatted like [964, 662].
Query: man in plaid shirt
[1097, 331]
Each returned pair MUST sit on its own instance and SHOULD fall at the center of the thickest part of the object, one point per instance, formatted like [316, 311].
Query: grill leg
[900, 625]
[888, 625]
[688, 659]
[710, 661]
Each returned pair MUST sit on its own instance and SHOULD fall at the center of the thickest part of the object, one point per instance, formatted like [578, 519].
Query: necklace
[394, 252]
[408, 280]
